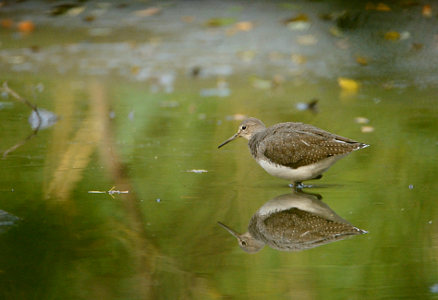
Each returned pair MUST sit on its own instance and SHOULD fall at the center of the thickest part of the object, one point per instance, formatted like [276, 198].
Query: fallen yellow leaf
[244, 26]
[26, 26]
[382, 7]
[348, 84]
[392, 36]
[363, 61]
[427, 11]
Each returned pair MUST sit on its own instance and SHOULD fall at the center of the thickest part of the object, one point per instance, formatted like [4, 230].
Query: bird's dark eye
[243, 243]
[243, 127]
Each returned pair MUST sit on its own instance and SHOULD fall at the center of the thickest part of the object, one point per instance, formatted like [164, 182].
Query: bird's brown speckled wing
[296, 144]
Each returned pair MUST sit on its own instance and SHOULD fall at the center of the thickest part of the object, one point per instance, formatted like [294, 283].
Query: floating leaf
[392, 36]
[26, 26]
[382, 7]
[379, 7]
[148, 12]
[187, 19]
[335, 31]
[298, 26]
[240, 26]
[244, 26]
[427, 11]
[367, 129]
[298, 18]
[218, 22]
[76, 11]
[417, 46]
[7, 23]
[363, 61]
[307, 40]
[347, 84]
[361, 120]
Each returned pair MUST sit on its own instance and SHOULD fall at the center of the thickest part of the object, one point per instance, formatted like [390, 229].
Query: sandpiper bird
[293, 222]
[294, 151]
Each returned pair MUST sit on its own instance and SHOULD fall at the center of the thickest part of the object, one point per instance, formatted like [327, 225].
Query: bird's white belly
[301, 173]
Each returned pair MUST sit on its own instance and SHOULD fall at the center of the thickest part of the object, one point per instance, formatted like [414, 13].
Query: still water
[119, 195]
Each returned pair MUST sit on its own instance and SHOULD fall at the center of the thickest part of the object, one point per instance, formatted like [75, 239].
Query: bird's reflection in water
[293, 222]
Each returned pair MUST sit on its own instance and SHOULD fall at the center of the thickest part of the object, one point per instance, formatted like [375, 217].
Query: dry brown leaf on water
[219, 22]
[379, 7]
[240, 26]
[26, 26]
[427, 11]
[348, 84]
[298, 18]
[382, 7]
[417, 46]
[392, 36]
[7, 23]
[244, 26]
[147, 12]
[307, 40]
[361, 60]
[187, 19]
[300, 22]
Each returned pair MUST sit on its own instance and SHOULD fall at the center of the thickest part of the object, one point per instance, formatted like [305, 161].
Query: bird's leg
[297, 185]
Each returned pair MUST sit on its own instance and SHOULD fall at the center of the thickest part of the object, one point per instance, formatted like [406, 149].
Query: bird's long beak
[233, 233]
[229, 140]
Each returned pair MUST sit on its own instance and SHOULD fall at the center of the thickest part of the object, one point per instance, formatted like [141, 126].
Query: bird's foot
[299, 185]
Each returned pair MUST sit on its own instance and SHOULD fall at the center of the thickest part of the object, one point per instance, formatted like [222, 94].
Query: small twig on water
[17, 97]
[111, 192]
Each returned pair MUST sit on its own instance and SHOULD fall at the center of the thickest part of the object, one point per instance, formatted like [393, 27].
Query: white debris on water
[45, 120]
[197, 171]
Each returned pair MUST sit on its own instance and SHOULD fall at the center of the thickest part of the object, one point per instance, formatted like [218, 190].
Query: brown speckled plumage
[296, 144]
[294, 151]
